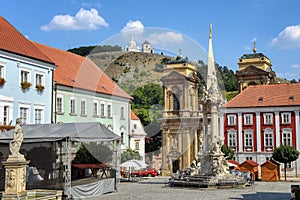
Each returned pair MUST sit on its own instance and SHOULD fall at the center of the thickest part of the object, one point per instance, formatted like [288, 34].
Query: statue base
[15, 177]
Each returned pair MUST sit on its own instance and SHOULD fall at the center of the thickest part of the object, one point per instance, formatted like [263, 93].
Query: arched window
[176, 105]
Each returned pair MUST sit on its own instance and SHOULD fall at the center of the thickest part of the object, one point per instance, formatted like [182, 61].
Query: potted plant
[25, 85]
[2, 81]
[40, 88]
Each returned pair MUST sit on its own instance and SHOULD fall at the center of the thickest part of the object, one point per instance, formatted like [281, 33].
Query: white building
[146, 47]
[137, 135]
[132, 47]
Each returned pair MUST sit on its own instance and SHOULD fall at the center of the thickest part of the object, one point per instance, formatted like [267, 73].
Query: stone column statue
[15, 144]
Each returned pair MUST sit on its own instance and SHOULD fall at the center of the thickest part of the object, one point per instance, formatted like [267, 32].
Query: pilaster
[258, 132]
[240, 133]
[277, 129]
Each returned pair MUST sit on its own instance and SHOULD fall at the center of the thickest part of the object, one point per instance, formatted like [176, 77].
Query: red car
[146, 172]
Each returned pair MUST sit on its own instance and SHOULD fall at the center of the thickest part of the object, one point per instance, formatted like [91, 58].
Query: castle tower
[254, 69]
[180, 116]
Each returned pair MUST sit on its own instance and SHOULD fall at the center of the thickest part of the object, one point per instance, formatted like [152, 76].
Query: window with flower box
[25, 78]
[2, 74]
[39, 82]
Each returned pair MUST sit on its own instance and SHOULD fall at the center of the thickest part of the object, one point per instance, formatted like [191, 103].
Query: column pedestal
[15, 178]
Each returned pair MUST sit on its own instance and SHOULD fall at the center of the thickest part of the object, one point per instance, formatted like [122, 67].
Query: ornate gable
[250, 71]
[173, 76]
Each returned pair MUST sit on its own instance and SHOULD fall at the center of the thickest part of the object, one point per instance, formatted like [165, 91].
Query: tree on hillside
[86, 50]
[285, 154]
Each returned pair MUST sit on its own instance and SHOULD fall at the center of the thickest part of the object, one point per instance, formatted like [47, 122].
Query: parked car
[145, 172]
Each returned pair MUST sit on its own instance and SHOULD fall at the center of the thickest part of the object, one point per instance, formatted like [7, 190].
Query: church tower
[254, 69]
[181, 116]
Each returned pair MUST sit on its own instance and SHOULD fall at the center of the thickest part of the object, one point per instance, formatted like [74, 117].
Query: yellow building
[254, 69]
[181, 116]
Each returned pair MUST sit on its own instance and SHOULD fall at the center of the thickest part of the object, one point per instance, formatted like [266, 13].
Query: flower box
[4, 128]
[40, 88]
[25, 85]
[2, 81]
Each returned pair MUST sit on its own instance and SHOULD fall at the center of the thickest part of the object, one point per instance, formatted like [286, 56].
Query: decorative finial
[210, 30]
[179, 57]
[254, 48]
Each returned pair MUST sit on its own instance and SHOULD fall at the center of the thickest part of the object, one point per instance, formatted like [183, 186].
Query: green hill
[131, 69]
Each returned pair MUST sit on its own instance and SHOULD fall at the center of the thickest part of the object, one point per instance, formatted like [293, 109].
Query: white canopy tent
[137, 164]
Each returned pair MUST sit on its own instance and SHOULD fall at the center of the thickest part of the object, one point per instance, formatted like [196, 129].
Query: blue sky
[170, 25]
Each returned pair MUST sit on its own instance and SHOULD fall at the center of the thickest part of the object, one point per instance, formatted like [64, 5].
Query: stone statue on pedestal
[15, 168]
[15, 144]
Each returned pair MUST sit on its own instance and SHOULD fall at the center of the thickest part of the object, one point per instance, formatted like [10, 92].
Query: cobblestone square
[154, 188]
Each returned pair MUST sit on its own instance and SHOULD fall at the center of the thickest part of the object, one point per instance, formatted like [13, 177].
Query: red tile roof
[11, 40]
[250, 162]
[233, 162]
[133, 116]
[267, 96]
[79, 72]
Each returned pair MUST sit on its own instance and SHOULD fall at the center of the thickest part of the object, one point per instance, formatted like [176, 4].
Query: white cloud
[295, 66]
[83, 20]
[166, 38]
[133, 28]
[289, 38]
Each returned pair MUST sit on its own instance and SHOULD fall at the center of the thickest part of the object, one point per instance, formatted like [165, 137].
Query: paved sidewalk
[154, 188]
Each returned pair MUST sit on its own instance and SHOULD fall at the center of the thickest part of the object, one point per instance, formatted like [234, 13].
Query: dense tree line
[147, 104]
[86, 50]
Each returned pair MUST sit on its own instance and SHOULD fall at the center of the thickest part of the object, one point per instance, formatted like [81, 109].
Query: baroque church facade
[181, 116]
